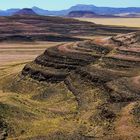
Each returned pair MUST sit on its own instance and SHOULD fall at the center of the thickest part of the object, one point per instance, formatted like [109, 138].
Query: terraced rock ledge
[92, 90]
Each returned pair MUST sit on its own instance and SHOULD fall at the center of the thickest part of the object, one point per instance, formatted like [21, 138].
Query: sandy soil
[130, 22]
[18, 52]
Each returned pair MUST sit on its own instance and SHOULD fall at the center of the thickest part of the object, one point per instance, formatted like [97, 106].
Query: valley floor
[11, 52]
[129, 22]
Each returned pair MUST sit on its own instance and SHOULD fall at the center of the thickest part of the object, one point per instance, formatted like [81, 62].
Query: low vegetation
[83, 90]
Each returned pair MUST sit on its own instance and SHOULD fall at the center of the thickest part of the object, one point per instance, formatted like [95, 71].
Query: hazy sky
[63, 4]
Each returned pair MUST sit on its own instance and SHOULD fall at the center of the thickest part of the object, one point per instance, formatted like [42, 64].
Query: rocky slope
[44, 28]
[99, 85]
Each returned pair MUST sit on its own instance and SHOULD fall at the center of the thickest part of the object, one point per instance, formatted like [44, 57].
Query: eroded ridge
[102, 75]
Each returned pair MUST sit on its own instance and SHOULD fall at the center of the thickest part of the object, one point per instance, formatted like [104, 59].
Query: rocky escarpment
[25, 25]
[103, 75]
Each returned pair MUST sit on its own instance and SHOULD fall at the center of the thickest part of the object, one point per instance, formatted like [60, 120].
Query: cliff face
[100, 78]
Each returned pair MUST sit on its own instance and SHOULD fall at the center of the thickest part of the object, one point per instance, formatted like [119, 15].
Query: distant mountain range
[133, 11]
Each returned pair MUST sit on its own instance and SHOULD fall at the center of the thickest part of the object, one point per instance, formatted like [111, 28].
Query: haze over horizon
[64, 4]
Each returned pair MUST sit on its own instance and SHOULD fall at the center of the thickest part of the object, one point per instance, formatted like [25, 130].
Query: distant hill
[104, 10]
[8, 12]
[40, 11]
[25, 11]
